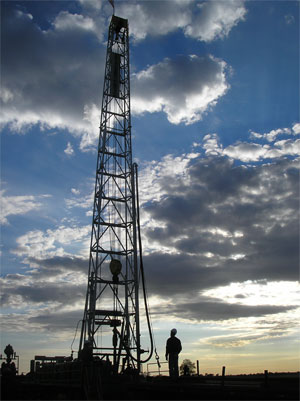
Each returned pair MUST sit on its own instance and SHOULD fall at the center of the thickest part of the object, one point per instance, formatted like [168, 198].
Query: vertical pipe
[115, 343]
[266, 378]
[32, 366]
[197, 368]
[136, 275]
[92, 309]
[223, 375]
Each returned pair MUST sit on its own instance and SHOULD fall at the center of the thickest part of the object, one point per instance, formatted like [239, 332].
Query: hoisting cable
[141, 263]
[143, 278]
[75, 335]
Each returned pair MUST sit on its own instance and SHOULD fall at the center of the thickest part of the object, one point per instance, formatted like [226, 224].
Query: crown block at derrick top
[119, 23]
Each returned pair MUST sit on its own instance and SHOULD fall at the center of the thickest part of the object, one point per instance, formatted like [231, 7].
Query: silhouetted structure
[8, 367]
[112, 299]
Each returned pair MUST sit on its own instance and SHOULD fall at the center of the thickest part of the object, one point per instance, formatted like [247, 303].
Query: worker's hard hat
[174, 331]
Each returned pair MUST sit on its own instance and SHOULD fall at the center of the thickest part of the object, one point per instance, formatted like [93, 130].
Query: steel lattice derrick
[112, 292]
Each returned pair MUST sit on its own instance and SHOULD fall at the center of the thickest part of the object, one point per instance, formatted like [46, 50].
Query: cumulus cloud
[296, 128]
[159, 19]
[18, 205]
[152, 173]
[184, 88]
[253, 151]
[49, 75]
[215, 19]
[222, 223]
[66, 21]
[219, 223]
[246, 151]
[84, 201]
[273, 134]
[69, 149]
[209, 222]
[38, 244]
[205, 21]
[211, 145]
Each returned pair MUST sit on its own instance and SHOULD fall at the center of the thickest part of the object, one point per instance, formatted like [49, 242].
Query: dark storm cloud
[47, 292]
[208, 310]
[227, 224]
[58, 265]
[182, 274]
[43, 283]
[214, 181]
[221, 211]
[58, 320]
[220, 195]
[199, 311]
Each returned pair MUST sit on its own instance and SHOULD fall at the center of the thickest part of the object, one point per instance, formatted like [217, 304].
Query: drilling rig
[111, 323]
[109, 342]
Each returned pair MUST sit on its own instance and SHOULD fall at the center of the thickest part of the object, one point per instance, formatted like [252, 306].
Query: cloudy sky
[215, 117]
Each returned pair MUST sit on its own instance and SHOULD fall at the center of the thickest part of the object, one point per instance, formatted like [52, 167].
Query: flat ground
[278, 387]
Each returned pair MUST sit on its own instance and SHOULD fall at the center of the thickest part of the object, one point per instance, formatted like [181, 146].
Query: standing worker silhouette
[173, 348]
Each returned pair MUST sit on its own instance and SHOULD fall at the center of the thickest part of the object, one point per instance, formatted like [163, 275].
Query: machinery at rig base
[8, 366]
